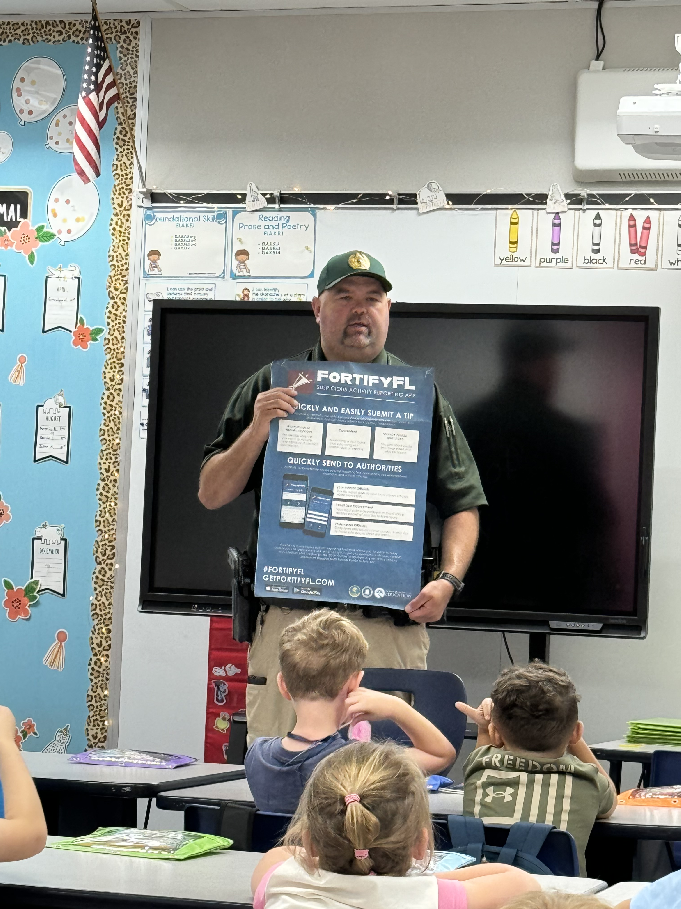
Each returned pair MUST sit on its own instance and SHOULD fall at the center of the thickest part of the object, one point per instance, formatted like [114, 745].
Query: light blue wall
[49, 491]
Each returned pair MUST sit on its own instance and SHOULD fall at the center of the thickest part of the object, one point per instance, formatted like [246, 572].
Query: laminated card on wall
[596, 238]
[555, 239]
[344, 484]
[273, 244]
[183, 244]
[638, 239]
[513, 239]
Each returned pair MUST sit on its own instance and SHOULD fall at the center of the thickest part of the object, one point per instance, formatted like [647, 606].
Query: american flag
[97, 93]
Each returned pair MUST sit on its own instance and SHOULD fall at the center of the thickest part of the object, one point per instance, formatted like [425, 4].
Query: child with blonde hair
[322, 656]
[361, 831]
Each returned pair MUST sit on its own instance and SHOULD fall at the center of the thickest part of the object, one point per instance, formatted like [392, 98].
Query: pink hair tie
[352, 797]
[361, 853]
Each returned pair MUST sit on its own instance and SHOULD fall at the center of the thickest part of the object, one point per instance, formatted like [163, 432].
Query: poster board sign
[49, 549]
[61, 303]
[273, 244]
[52, 440]
[180, 244]
[344, 485]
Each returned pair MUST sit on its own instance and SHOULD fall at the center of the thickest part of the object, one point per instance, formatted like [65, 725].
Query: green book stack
[658, 731]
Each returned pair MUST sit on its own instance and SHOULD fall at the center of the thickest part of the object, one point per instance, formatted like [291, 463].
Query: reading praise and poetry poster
[344, 484]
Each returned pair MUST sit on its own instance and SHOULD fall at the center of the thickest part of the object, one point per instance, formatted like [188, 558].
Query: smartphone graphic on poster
[318, 512]
[293, 501]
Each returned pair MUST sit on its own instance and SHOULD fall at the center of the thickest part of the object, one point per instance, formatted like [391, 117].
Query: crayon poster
[514, 237]
[344, 485]
[596, 239]
[555, 239]
[639, 232]
[273, 244]
[180, 244]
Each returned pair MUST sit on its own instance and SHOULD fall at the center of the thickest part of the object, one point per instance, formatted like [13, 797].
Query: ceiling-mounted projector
[651, 124]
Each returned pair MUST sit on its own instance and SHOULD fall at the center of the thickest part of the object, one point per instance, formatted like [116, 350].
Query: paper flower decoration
[28, 727]
[18, 600]
[5, 513]
[26, 239]
[84, 336]
[54, 658]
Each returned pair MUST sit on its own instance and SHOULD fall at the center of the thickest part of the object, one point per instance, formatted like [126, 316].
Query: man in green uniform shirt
[352, 310]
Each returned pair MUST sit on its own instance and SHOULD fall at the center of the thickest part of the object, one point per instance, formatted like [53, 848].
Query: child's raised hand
[481, 716]
[8, 726]
[365, 704]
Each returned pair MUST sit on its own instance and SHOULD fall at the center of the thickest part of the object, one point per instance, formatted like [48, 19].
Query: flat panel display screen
[556, 403]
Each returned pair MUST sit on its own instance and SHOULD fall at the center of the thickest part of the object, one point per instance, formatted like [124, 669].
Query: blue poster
[344, 485]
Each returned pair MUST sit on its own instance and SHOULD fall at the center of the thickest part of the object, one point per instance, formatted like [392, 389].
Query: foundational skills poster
[344, 485]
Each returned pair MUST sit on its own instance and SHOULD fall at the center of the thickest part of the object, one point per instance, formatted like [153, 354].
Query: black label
[15, 206]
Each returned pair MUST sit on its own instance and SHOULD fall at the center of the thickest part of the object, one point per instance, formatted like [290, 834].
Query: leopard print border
[124, 33]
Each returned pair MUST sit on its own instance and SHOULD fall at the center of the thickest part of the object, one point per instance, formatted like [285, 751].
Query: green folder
[656, 731]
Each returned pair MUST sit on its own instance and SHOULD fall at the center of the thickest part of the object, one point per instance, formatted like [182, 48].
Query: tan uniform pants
[268, 713]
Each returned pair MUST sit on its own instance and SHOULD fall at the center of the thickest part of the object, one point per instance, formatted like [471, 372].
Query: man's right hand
[270, 405]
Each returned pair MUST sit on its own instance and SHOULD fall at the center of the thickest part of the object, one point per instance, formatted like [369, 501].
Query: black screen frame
[605, 625]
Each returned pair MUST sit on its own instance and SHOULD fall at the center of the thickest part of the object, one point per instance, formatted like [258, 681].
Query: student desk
[79, 880]
[627, 890]
[618, 751]
[77, 798]
[626, 822]
[441, 803]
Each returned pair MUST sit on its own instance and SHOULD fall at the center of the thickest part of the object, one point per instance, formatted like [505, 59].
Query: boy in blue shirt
[321, 657]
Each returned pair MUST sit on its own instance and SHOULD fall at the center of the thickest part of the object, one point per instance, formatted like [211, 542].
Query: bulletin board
[64, 249]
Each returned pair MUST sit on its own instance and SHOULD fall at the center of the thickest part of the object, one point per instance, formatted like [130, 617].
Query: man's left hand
[430, 604]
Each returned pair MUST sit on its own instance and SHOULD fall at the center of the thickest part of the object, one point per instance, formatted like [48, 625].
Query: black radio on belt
[244, 603]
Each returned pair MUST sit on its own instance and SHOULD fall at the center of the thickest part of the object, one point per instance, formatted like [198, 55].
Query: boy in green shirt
[531, 762]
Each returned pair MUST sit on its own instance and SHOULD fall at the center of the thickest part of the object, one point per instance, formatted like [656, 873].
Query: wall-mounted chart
[180, 244]
[514, 238]
[53, 430]
[61, 305]
[639, 232]
[596, 239]
[273, 244]
[48, 558]
[555, 239]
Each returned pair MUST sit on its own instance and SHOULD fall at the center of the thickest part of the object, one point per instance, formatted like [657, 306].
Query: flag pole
[126, 122]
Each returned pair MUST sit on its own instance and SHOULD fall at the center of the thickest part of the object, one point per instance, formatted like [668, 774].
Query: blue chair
[434, 694]
[665, 770]
[251, 830]
[558, 850]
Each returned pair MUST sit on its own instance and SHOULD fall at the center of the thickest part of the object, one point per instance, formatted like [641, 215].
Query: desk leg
[616, 774]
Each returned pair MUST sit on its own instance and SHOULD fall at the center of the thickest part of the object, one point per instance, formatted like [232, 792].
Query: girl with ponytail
[361, 831]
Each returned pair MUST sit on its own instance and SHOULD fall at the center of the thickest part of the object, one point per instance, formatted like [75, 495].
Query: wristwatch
[453, 580]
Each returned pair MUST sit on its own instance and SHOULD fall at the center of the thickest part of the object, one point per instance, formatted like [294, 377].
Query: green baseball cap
[350, 263]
